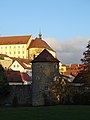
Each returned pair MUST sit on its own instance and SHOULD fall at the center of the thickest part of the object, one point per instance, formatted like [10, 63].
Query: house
[62, 68]
[14, 77]
[23, 46]
[18, 78]
[22, 65]
[19, 91]
[73, 69]
[15, 46]
[83, 77]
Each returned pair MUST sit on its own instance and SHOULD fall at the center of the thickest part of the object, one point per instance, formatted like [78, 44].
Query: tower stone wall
[42, 74]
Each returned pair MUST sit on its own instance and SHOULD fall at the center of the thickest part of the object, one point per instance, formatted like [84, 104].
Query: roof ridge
[14, 40]
[16, 36]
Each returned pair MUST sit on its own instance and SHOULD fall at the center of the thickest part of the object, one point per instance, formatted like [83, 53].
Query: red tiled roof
[14, 40]
[82, 65]
[13, 76]
[22, 63]
[74, 69]
[67, 67]
[83, 77]
[25, 76]
[73, 72]
[3, 55]
[27, 61]
[39, 43]
[17, 76]
[73, 65]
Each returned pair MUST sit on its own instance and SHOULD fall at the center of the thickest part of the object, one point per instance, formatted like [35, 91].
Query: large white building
[23, 46]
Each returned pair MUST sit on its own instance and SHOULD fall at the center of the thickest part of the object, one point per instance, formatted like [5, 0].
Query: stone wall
[20, 92]
[43, 73]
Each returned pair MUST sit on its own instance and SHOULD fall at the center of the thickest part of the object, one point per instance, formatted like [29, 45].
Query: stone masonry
[43, 72]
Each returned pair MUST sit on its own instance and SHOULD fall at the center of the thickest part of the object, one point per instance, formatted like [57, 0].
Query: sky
[65, 24]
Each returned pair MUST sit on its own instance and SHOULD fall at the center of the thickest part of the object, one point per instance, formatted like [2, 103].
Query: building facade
[36, 46]
[23, 46]
[15, 46]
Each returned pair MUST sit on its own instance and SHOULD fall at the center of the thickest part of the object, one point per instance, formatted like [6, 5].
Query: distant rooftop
[39, 43]
[14, 40]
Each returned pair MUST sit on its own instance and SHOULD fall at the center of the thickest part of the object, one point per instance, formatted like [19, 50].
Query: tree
[53, 93]
[84, 77]
[59, 91]
[86, 54]
[85, 73]
[4, 86]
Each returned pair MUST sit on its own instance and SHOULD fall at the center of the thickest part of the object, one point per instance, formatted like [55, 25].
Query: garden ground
[59, 112]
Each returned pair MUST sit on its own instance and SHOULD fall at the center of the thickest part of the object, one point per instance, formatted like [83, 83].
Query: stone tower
[44, 69]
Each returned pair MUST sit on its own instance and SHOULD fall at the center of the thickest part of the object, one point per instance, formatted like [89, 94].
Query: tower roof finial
[40, 35]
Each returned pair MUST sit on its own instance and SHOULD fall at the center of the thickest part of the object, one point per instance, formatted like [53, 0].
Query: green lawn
[60, 112]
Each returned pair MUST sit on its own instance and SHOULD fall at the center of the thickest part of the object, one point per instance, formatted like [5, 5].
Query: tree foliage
[85, 73]
[59, 92]
[86, 55]
[4, 87]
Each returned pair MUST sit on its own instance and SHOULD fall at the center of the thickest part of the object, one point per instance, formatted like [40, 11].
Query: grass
[60, 112]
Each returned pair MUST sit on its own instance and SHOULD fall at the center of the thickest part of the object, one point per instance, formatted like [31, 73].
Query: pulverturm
[44, 69]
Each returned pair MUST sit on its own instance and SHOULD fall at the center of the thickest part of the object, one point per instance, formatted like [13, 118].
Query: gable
[16, 66]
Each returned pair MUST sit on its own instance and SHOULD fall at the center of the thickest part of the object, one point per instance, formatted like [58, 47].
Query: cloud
[69, 51]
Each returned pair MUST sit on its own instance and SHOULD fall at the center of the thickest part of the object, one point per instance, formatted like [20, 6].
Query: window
[5, 47]
[18, 52]
[18, 46]
[23, 46]
[22, 52]
[1, 47]
[10, 52]
[14, 46]
[14, 52]
[10, 46]
[17, 65]
[14, 65]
